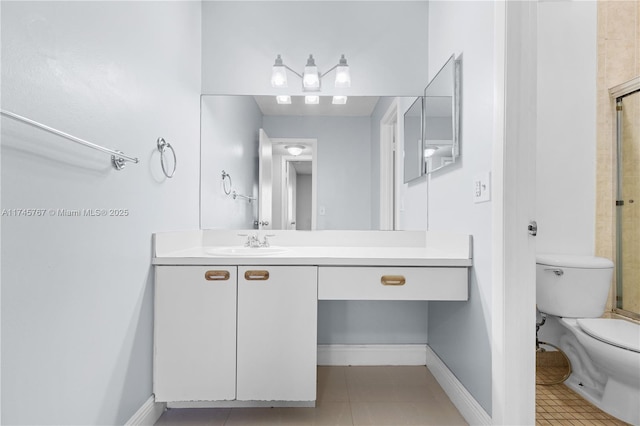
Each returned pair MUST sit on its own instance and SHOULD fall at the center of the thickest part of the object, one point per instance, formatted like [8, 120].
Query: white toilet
[604, 353]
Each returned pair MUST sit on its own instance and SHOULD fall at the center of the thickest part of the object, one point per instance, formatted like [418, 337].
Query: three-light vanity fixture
[311, 80]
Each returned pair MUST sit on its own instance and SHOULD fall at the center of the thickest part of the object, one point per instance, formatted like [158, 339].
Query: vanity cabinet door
[277, 329]
[195, 333]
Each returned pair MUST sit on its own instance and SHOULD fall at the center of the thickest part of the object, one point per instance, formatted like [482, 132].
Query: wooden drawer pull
[217, 275]
[256, 275]
[393, 280]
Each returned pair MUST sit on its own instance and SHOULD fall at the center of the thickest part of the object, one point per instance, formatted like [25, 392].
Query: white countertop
[322, 248]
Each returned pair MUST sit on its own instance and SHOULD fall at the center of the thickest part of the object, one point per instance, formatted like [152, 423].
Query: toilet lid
[616, 332]
[572, 261]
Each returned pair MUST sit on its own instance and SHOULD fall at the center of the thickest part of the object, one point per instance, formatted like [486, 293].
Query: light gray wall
[77, 292]
[384, 43]
[459, 332]
[365, 322]
[303, 202]
[566, 144]
[343, 152]
[229, 137]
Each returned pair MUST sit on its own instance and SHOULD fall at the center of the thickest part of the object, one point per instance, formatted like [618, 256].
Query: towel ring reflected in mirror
[226, 177]
[162, 147]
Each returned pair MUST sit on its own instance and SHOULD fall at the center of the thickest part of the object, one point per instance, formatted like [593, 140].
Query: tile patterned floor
[392, 396]
[559, 405]
[386, 396]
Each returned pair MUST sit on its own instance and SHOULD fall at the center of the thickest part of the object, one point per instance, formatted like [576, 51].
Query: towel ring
[226, 175]
[162, 147]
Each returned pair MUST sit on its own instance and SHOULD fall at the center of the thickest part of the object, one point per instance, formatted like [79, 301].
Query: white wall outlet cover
[482, 187]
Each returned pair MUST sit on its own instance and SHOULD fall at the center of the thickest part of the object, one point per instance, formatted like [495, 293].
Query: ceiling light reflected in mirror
[294, 150]
[312, 100]
[339, 100]
[327, 106]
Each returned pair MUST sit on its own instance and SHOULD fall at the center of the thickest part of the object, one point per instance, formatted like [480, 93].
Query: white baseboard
[472, 412]
[148, 414]
[372, 355]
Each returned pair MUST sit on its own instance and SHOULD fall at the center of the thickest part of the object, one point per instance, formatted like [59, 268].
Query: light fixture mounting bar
[331, 69]
[289, 68]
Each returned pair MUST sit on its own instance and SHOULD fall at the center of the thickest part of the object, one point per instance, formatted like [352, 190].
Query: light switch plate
[482, 187]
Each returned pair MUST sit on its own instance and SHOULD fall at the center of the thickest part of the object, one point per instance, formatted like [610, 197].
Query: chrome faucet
[253, 240]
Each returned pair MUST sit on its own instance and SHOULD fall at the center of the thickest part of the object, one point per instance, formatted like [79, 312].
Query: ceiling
[356, 106]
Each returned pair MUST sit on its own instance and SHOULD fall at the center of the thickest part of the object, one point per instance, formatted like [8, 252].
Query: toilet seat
[616, 332]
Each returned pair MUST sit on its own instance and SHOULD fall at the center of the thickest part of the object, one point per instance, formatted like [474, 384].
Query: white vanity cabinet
[277, 333]
[237, 326]
[235, 333]
[195, 333]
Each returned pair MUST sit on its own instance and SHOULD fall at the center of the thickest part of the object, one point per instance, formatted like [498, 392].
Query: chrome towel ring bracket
[162, 147]
[226, 177]
[227, 185]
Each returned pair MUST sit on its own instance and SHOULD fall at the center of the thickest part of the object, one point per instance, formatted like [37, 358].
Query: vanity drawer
[392, 283]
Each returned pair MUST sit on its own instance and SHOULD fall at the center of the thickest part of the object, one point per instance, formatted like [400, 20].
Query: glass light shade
[294, 150]
[312, 100]
[343, 77]
[279, 76]
[339, 100]
[311, 78]
[283, 99]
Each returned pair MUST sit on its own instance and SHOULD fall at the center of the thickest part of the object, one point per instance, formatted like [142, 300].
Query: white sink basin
[245, 251]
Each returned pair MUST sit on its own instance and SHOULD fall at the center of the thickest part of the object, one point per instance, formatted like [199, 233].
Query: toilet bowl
[604, 353]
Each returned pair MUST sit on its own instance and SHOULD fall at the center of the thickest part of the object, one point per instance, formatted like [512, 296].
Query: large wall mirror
[291, 166]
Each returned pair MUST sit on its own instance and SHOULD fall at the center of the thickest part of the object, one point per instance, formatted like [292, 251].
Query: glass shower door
[628, 205]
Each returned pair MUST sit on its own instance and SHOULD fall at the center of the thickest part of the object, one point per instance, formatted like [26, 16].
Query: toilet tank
[572, 286]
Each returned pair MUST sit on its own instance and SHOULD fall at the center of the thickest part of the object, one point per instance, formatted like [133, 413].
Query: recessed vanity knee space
[236, 325]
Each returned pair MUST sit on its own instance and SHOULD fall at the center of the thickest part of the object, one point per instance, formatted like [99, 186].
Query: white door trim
[285, 159]
[388, 186]
[314, 172]
[513, 180]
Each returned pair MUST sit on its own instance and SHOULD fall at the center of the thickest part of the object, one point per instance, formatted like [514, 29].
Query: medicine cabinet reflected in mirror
[442, 117]
[432, 125]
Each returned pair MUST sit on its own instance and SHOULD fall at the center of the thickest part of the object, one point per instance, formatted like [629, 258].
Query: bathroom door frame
[313, 143]
[514, 188]
[388, 168]
[285, 170]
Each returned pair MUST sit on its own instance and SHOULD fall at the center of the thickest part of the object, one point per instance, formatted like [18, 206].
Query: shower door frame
[617, 93]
